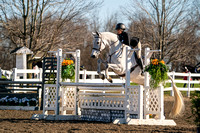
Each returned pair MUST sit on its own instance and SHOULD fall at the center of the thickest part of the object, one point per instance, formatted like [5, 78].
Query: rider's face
[119, 31]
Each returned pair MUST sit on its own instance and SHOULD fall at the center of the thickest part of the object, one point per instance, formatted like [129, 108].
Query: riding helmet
[120, 26]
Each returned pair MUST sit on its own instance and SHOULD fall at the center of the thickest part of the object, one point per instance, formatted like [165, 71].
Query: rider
[122, 35]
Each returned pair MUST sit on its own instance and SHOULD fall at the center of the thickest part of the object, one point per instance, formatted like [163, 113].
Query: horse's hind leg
[102, 76]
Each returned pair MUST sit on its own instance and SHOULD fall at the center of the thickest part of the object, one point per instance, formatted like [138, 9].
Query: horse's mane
[109, 34]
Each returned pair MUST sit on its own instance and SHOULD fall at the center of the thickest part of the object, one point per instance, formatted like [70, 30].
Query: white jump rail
[91, 77]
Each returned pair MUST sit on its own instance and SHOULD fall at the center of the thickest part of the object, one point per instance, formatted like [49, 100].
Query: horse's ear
[97, 33]
[94, 34]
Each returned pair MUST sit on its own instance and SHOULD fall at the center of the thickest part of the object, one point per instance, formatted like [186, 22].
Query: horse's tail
[178, 106]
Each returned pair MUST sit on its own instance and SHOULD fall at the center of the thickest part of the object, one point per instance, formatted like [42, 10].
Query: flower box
[18, 102]
[158, 71]
[18, 108]
[68, 70]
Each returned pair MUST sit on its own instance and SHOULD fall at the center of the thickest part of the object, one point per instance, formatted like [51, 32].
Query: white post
[127, 83]
[173, 77]
[14, 74]
[128, 61]
[0, 73]
[40, 74]
[58, 75]
[63, 112]
[146, 62]
[189, 77]
[77, 65]
[140, 103]
[161, 103]
[146, 76]
[24, 66]
[84, 75]
[77, 68]
[92, 76]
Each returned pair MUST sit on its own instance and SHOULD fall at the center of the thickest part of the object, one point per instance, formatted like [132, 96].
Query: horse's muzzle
[93, 56]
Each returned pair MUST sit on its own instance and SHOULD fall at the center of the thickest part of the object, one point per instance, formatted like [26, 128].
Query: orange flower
[67, 62]
[162, 61]
[155, 62]
[70, 62]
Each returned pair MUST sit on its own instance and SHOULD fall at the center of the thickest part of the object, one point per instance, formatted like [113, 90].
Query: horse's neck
[112, 41]
[109, 37]
[191, 68]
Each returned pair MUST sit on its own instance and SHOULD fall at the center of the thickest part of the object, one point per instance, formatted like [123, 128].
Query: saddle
[134, 42]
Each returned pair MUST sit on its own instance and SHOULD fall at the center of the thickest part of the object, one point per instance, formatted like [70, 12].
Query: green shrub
[3, 77]
[195, 99]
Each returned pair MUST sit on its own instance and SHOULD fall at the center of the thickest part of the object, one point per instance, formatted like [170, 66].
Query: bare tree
[111, 22]
[162, 25]
[42, 25]
[164, 18]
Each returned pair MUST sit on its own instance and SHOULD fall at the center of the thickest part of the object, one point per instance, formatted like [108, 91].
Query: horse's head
[189, 68]
[98, 45]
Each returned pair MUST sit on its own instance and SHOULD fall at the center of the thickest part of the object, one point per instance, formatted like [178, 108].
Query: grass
[179, 85]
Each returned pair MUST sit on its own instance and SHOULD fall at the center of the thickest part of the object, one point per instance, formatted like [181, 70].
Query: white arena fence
[21, 76]
[178, 78]
[92, 77]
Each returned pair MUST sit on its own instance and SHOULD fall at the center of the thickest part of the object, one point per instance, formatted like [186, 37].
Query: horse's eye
[97, 42]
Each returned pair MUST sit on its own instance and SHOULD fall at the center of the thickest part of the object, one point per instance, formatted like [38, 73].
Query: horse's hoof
[102, 76]
[110, 80]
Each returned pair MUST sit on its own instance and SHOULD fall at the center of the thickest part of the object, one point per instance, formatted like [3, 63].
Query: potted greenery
[68, 70]
[158, 71]
[195, 100]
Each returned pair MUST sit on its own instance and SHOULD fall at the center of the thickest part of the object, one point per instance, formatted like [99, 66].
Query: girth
[132, 69]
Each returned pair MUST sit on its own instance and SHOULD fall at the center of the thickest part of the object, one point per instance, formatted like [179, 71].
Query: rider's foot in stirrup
[142, 73]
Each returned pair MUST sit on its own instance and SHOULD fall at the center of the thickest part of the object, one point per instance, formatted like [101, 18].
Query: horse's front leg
[107, 75]
[114, 67]
[102, 76]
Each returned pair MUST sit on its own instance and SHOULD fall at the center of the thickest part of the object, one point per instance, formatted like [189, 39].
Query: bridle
[101, 42]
